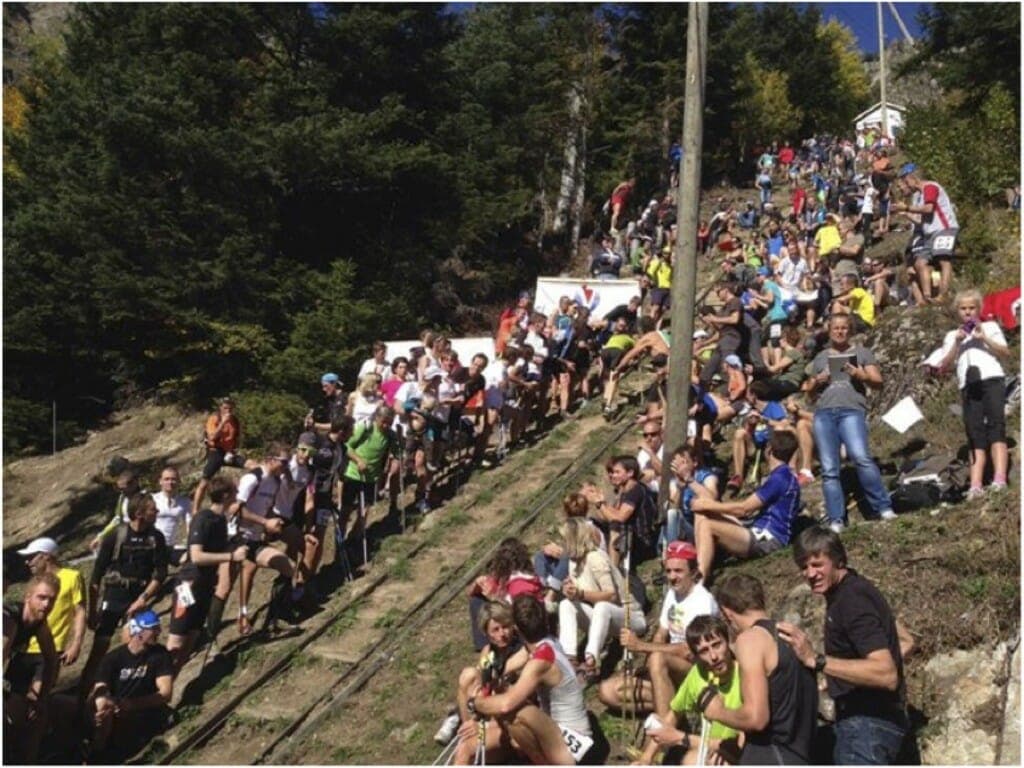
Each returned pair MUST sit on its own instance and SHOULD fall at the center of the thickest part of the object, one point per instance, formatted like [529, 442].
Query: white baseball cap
[43, 544]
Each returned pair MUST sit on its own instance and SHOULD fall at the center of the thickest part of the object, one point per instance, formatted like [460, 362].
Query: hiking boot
[974, 493]
[449, 727]
[997, 487]
[837, 526]
[423, 506]
[887, 514]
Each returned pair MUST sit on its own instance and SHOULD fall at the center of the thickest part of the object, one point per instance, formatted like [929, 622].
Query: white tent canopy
[873, 116]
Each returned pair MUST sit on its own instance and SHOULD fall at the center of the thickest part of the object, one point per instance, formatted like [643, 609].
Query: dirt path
[449, 542]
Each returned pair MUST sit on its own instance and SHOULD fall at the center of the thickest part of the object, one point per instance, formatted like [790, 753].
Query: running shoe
[449, 727]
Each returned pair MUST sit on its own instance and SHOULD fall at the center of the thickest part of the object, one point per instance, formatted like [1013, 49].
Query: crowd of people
[781, 358]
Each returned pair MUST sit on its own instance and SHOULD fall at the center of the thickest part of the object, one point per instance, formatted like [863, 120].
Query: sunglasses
[305, 449]
[652, 434]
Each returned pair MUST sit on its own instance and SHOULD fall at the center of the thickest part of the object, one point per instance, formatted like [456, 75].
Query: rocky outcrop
[969, 696]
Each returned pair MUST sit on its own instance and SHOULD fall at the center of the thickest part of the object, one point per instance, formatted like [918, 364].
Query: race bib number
[577, 743]
[184, 593]
[323, 517]
[943, 244]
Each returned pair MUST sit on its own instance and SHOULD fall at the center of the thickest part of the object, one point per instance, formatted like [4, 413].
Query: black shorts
[611, 357]
[351, 491]
[23, 670]
[252, 547]
[984, 412]
[186, 619]
[762, 543]
[323, 509]
[112, 608]
[661, 297]
[215, 459]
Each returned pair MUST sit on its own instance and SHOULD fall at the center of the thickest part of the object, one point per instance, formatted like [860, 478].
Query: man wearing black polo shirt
[863, 658]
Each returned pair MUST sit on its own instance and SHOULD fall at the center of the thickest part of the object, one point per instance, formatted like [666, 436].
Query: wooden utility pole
[881, 73]
[684, 270]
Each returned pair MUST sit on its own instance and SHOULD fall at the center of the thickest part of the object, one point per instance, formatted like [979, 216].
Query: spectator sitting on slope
[596, 594]
[759, 524]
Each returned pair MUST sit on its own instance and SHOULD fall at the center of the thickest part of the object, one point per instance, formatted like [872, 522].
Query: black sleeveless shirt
[793, 711]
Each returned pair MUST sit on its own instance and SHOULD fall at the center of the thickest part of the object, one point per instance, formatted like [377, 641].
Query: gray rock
[1010, 754]
[965, 685]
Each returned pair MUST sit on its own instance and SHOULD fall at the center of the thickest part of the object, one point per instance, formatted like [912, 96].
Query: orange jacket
[229, 435]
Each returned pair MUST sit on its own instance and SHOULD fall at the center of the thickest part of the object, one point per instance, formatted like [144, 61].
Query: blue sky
[862, 18]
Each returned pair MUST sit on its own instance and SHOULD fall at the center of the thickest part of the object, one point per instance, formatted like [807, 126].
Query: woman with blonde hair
[364, 401]
[594, 593]
[975, 349]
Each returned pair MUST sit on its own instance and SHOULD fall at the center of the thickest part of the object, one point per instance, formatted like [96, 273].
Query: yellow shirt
[62, 617]
[827, 239]
[660, 272]
[863, 304]
[622, 341]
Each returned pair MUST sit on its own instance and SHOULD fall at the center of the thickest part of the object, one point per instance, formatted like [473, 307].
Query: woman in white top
[363, 403]
[974, 348]
[595, 593]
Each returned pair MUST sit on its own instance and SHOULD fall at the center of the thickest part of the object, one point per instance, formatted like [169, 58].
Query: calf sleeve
[214, 617]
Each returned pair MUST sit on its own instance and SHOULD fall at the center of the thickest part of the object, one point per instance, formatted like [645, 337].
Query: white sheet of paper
[903, 415]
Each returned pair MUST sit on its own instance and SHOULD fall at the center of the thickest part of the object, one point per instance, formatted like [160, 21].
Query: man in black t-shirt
[633, 510]
[864, 651]
[131, 566]
[629, 312]
[208, 553]
[728, 322]
[133, 689]
[328, 463]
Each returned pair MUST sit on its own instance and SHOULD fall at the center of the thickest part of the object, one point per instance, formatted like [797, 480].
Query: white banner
[466, 348]
[600, 296]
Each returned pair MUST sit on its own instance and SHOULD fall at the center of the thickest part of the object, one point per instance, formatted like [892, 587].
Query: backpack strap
[120, 536]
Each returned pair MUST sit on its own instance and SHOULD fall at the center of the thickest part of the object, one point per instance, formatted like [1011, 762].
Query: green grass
[401, 569]
[388, 619]
[346, 620]
[975, 587]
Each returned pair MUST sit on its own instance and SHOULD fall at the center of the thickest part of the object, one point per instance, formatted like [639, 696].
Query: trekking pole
[481, 743]
[340, 555]
[702, 752]
[362, 514]
[627, 655]
[705, 730]
[445, 758]
[401, 483]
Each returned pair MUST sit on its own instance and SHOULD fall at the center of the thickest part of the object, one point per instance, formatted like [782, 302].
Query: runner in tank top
[558, 731]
